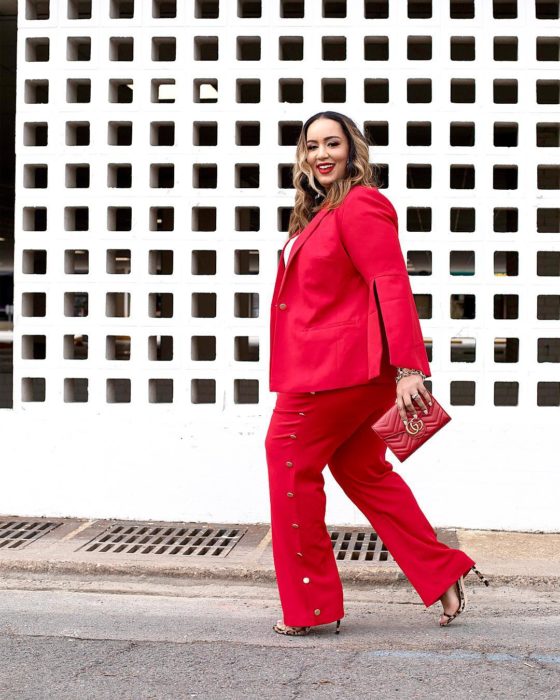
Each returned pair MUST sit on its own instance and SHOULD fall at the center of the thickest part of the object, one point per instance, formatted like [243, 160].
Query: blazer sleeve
[368, 227]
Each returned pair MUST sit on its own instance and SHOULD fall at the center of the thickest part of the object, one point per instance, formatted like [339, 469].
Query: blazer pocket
[337, 324]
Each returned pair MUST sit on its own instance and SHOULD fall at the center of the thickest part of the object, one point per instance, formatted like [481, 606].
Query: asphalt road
[194, 639]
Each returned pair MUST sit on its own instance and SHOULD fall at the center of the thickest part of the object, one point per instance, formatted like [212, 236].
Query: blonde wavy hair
[311, 196]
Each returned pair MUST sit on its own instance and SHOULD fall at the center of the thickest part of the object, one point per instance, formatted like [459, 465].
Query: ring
[415, 395]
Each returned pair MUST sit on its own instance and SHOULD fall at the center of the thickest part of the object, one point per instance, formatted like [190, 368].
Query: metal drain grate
[15, 534]
[159, 539]
[358, 545]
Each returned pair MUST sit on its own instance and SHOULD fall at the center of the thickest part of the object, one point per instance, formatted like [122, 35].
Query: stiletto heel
[337, 630]
[484, 580]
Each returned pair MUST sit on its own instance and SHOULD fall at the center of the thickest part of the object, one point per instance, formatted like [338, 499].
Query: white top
[288, 248]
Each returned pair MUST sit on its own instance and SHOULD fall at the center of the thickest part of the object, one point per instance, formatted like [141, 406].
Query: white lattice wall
[154, 142]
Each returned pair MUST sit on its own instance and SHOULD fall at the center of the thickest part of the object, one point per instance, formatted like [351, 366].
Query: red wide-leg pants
[307, 431]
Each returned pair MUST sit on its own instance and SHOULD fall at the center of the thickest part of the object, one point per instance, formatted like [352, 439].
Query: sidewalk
[243, 552]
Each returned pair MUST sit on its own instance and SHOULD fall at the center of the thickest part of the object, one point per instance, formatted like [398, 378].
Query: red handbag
[403, 439]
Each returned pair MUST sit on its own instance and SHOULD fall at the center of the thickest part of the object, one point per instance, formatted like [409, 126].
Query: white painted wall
[492, 467]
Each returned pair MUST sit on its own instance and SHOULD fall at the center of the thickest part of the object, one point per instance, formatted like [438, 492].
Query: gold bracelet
[406, 371]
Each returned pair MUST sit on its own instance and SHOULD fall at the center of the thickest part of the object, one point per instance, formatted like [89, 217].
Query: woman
[343, 323]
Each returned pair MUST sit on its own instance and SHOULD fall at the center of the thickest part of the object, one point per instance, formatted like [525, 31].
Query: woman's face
[327, 145]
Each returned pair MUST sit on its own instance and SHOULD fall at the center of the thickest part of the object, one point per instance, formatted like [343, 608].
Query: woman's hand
[407, 387]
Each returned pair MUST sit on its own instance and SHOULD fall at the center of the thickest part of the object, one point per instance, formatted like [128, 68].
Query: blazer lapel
[300, 240]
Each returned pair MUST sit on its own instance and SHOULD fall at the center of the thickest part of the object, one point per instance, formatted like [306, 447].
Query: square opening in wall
[548, 177]
[75, 390]
[285, 176]
[506, 263]
[119, 133]
[78, 90]
[121, 90]
[461, 177]
[462, 262]
[462, 393]
[76, 303]
[203, 348]
[462, 134]
[246, 262]
[419, 219]
[505, 48]
[249, 9]
[164, 48]
[419, 9]
[35, 134]
[205, 48]
[548, 134]
[246, 348]
[548, 220]
[506, 393]
[203, 219]
[162, 133]
[548, 263]
[419, 48]
[419, 176]
[247, 133]
[37, 9]
[462, 48]
[33, 304]
[462, 306]
[548, 349]
[417, 134]
[160, 305]
[245, 391]
[162, 219]
[163, 90]
[247, 175]
[248, 90]
[34, 262]
[290, 48]
[333, 48]
[118, 261]
[118, 390]
[463, 349]
[548, 92]
[205, 90]
[203, 391]
[76, 218]
[76, 262]
[79, 9]
[203, 262]
[203, 305]
[292, 9]
[33, 347]
[36, 176]
[121, 9]
[205, 176]
[290, 90]
[119, 175]
[376, 91]
[205, 133]
[162, 175]
[247, 218]
[77, 133]
[36, 92]
[506, 220]
[462, 91]
[164, 9]
[160, 262]
[37, 49]
[423, 304]
[78, 48]
[548, 393]
[288, 133]
[32, 389]
[117, 347]
[121, 48]
[119, 218]
[548, 307]
[418, 90]
[547, 9]
[160, 348]
[506, 306]
[376, 48]
[548, 48]
[160, 390]
[34, 219]
[506, 349]
[248, 48]
[246, 305]
[506, 135]
[75, 347]
[77, 175]
[419, 262]
[333, 90]
[117, 304]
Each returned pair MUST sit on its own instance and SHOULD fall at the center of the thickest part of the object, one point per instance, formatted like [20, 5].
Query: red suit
[342, 319]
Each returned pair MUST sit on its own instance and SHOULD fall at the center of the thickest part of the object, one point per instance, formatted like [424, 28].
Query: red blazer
[342, 309]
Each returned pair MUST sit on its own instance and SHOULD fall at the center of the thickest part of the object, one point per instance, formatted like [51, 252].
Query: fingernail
[405, 422]
[425, 411]
[429, 403]
[415, 416]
